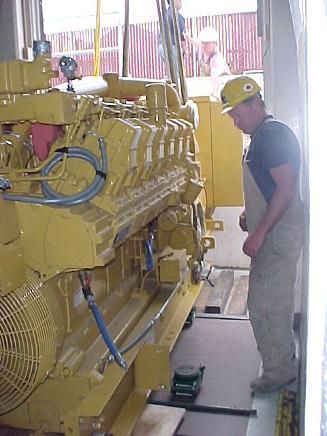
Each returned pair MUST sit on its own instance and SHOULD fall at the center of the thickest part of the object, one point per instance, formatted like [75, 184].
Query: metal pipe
[121, 87]
[97, 40]
[170, 50]
[125, 69]
[150, 325]
[207, 409]
[14, 172]
[163, 37]
[222, 316]
[54, 198]
[180, 66]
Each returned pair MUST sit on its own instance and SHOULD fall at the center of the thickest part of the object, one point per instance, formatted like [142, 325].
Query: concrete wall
[281, 76]
[286, 87]
[228, 251]
[282, 82]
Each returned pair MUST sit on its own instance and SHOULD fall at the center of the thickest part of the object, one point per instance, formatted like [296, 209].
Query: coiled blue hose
[53, 198]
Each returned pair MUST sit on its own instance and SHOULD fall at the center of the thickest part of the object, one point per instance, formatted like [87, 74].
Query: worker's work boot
[265, 384]
[274, 376]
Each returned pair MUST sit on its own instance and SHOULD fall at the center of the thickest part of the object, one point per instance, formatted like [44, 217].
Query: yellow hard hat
[238, 90]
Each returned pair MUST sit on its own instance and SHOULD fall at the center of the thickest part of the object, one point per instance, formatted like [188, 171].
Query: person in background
[184, 36]
[211, 61]
[273, 218]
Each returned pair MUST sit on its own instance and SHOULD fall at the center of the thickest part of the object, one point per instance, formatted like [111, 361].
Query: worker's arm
[184, 48]
[284, 177]
[218, 65]
[193, 41]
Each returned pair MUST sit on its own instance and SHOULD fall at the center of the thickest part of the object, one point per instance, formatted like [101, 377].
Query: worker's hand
[253, 243]
[242, 222]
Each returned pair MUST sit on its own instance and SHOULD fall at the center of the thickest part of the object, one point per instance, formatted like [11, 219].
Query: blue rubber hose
[104, 332]
[53, 198]
[149, 254]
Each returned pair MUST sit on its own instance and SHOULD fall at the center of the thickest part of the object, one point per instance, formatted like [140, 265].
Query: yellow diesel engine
[101, 245]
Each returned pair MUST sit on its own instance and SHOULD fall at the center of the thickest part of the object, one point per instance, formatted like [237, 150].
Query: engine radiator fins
[27, 342]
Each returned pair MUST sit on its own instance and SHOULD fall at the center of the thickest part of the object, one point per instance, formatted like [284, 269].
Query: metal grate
[27, 343]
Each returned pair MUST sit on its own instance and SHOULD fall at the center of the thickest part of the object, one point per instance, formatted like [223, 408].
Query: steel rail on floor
[203, 408]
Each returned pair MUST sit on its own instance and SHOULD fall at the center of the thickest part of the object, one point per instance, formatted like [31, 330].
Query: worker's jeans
[272, 280]
[270, 304]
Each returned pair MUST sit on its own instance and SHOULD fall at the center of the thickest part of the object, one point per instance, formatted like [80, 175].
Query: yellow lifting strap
[97, 40]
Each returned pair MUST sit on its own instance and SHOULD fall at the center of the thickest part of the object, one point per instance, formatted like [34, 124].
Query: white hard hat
[208, 34]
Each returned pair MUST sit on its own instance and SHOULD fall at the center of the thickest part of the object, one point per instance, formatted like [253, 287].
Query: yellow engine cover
[57, 374]
[220, 153]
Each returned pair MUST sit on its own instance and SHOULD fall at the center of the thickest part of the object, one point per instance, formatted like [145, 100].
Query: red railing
[238, 41]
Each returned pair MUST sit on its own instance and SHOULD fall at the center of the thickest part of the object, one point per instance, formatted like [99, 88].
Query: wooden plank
[209, 279]
[202, 299]
[219, 294]
[158, 420]
[238, 300]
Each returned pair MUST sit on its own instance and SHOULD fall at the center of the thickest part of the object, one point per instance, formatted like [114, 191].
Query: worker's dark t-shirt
[272, 144]
[181, 24]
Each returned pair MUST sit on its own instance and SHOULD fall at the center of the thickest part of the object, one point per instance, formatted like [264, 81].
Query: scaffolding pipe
[180, 67]
[125, 69]
[163, 38]
[169, 45]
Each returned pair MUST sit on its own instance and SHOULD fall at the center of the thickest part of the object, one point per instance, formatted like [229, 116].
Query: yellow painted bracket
[208, 242]
[152, 369]
[217, 225]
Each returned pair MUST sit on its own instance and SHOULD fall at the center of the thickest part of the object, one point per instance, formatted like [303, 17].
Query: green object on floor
[287, 421]
[187, 380]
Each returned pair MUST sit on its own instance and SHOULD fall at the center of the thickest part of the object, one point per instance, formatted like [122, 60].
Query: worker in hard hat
[211, 61]
[273, 218]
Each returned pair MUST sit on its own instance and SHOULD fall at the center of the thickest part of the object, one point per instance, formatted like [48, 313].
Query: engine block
[100, 203]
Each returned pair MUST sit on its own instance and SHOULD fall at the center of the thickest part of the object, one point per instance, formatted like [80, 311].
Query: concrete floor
[224, 343]
[266, 406]
[227, 349]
